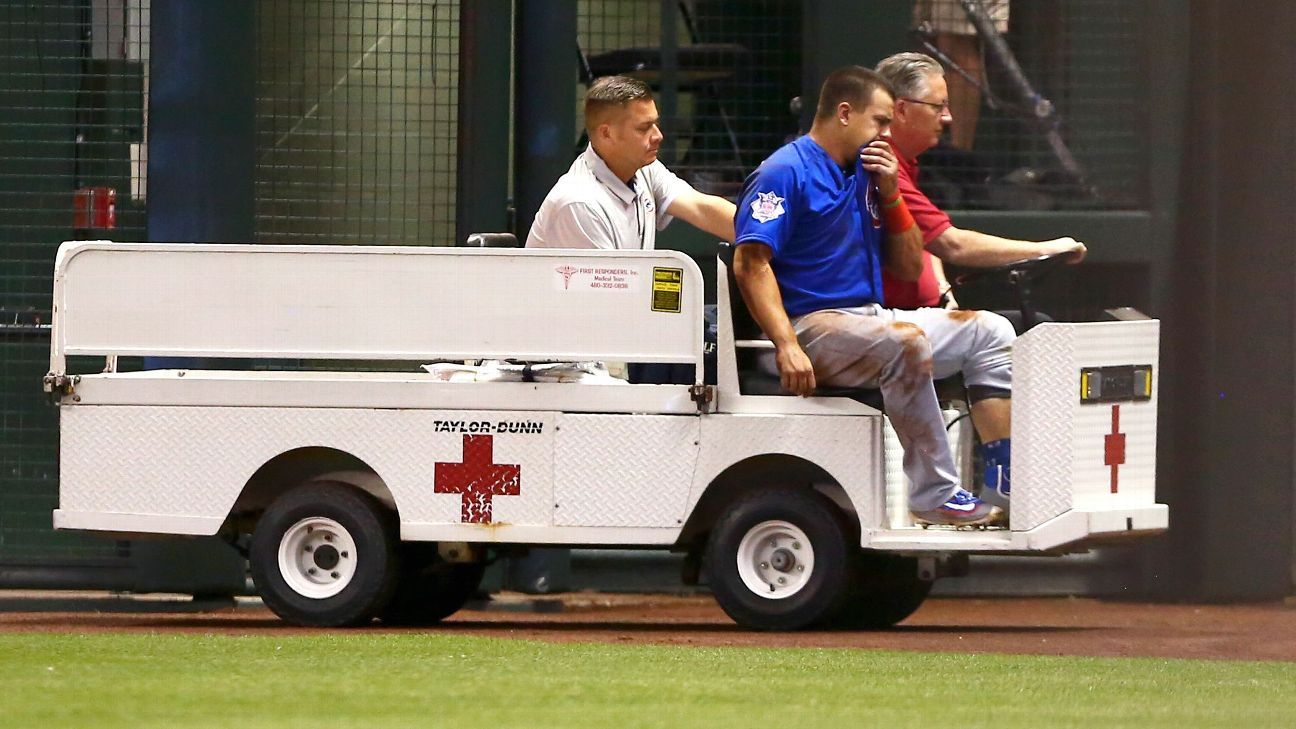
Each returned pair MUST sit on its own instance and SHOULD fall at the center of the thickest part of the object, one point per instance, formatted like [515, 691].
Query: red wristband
[897, 217]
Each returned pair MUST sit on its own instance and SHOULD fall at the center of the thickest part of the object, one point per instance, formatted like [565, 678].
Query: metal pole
[545, 74]
[202, 122]
[485, 66]
[544, 103]
[668, 98]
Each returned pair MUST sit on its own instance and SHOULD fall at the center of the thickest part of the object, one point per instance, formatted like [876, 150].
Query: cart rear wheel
[430, 589]
[324, 554]
[887, 590]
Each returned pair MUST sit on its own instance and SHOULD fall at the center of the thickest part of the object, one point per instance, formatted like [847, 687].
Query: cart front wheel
[778, 560]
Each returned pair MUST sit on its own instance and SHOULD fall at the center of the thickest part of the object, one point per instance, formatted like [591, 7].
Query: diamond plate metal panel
[898, 485]
[1058, 444]
[1124, 343]
[1041, 426]
[180, 461]
[848, 448]
[624, 470]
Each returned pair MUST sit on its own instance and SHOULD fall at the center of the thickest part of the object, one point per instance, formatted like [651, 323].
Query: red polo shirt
[932, 221]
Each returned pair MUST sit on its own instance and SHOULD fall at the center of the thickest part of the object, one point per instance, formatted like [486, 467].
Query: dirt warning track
[1044, 626]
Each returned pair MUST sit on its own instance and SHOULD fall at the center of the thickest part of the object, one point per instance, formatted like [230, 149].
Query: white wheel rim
[775, 559]
[317, 557]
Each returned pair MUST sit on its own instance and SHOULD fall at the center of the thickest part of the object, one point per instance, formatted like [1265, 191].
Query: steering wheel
[1027, 269]
[1020, 275]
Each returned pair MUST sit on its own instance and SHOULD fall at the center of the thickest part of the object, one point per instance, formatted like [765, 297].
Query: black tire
[813, 597]
[887, 589]
[352, 587]
[430, 589]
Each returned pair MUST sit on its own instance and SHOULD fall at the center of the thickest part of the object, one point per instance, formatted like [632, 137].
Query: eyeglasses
[940, 108]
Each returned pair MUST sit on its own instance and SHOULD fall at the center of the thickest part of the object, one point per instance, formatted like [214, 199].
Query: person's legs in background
[957, 38]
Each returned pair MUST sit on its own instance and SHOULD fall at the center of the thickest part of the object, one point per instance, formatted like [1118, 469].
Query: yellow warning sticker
[667, 289]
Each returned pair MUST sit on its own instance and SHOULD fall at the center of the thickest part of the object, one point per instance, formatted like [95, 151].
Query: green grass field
[413, 680]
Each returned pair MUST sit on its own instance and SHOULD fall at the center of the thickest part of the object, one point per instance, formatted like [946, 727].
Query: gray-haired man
[922, 112]
[617, 194]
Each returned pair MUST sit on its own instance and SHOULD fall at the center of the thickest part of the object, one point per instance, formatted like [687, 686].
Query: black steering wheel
[1031, 269]
[1020, 275]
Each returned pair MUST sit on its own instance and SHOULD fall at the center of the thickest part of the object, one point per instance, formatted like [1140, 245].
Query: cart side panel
[847, 448]
[151, 468]
[624, 470]
[1069, 454]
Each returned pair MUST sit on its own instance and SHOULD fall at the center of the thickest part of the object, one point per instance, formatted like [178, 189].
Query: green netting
[72, 90]
[357, 111]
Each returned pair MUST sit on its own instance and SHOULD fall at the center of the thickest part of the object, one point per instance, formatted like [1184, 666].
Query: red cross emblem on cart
[1114, 447]
[478, 479]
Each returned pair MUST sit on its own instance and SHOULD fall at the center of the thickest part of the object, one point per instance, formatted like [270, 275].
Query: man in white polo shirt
[617, 195]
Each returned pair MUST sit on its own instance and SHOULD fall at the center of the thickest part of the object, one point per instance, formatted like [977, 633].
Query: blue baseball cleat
[962, 509]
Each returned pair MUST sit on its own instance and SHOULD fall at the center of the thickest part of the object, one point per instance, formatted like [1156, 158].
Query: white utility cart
[382, 494]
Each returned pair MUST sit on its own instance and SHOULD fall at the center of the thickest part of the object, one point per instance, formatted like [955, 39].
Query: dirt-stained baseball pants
[901, 352]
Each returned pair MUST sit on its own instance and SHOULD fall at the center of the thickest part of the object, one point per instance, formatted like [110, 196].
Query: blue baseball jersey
[822, 224]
